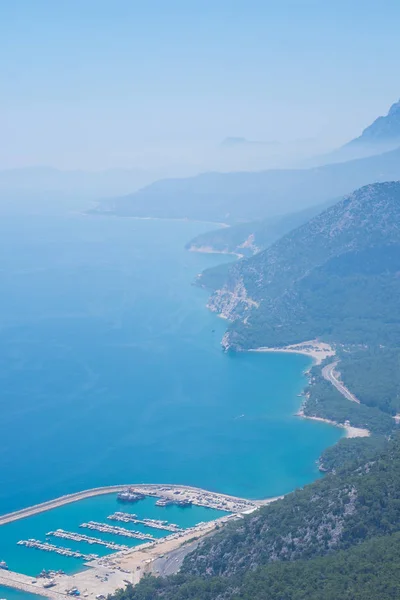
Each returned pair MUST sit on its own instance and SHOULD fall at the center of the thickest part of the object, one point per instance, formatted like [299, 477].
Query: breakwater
[198, 496]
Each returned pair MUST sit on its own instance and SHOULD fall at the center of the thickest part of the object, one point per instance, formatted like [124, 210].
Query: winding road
[170, 563]
[329, 373]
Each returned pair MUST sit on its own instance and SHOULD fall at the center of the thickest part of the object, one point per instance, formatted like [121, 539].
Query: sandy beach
[319, 351]
[315, 349]
[211, 250]
[106, 213]
[350, 431]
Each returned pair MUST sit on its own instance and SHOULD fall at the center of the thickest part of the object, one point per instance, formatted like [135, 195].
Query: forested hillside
[338, 536]
[325, 303]
[265, 289]
[335, 278]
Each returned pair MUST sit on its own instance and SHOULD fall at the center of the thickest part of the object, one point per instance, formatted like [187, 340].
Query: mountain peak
[394, 109]
[383, 135]
[383, 129]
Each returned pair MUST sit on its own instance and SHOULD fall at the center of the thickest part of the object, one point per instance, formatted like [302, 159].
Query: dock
[32, 543]
[115, 530]
[24, 583]
[81, 537]
[152, 523]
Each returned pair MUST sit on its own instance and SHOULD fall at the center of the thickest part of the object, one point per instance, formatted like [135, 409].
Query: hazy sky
[104, 83]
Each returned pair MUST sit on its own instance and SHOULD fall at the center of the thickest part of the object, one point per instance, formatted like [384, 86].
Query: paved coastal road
[329, 374]
[172, 562]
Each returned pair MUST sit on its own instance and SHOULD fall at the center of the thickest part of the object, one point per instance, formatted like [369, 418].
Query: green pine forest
[335, 278]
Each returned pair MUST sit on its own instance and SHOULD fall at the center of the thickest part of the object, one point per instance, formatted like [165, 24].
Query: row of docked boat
[32, 543]
[115, 530]
[81, 537]
[154, 523]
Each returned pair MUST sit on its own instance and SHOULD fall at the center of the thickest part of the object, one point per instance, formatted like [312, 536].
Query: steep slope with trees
[339, 536]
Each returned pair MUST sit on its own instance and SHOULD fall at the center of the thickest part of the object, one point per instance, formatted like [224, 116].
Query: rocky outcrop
[232, 304]
[369, 216]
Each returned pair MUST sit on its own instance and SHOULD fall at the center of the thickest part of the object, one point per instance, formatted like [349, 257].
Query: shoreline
[211, 250]
[314, 349]
[184, 219]
[350, 431]
[319, 351]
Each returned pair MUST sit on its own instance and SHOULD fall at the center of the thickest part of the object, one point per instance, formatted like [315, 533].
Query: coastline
[350, 431]
[315, 349]
[319, 351]
[184, 219]
[211, 250]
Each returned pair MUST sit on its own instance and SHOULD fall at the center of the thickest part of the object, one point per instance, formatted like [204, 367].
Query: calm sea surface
[111, 370]
[10, 594]
[69, 517]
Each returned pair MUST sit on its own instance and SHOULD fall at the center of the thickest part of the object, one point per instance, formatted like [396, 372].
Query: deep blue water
[111, 369]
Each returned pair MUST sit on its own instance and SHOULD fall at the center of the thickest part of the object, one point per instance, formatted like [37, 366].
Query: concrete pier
[198, 496]
[24, 583]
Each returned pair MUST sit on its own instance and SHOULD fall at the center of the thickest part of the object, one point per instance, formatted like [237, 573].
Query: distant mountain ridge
[246, 196]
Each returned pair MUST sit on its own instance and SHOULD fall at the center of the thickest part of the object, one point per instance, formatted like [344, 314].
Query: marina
[114, 529]
[105, 575]
[154, 523]
[190, 514]
[177, 494]
[80, 537]
[68, 517]
[32, 543]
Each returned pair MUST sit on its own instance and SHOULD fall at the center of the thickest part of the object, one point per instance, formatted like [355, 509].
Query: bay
[111, 369]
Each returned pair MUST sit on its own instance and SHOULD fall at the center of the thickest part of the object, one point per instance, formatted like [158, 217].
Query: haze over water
[111, 370]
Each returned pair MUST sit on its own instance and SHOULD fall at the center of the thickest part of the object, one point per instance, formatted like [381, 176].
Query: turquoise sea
[11, 594]
[70, 516]
[111, 371]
